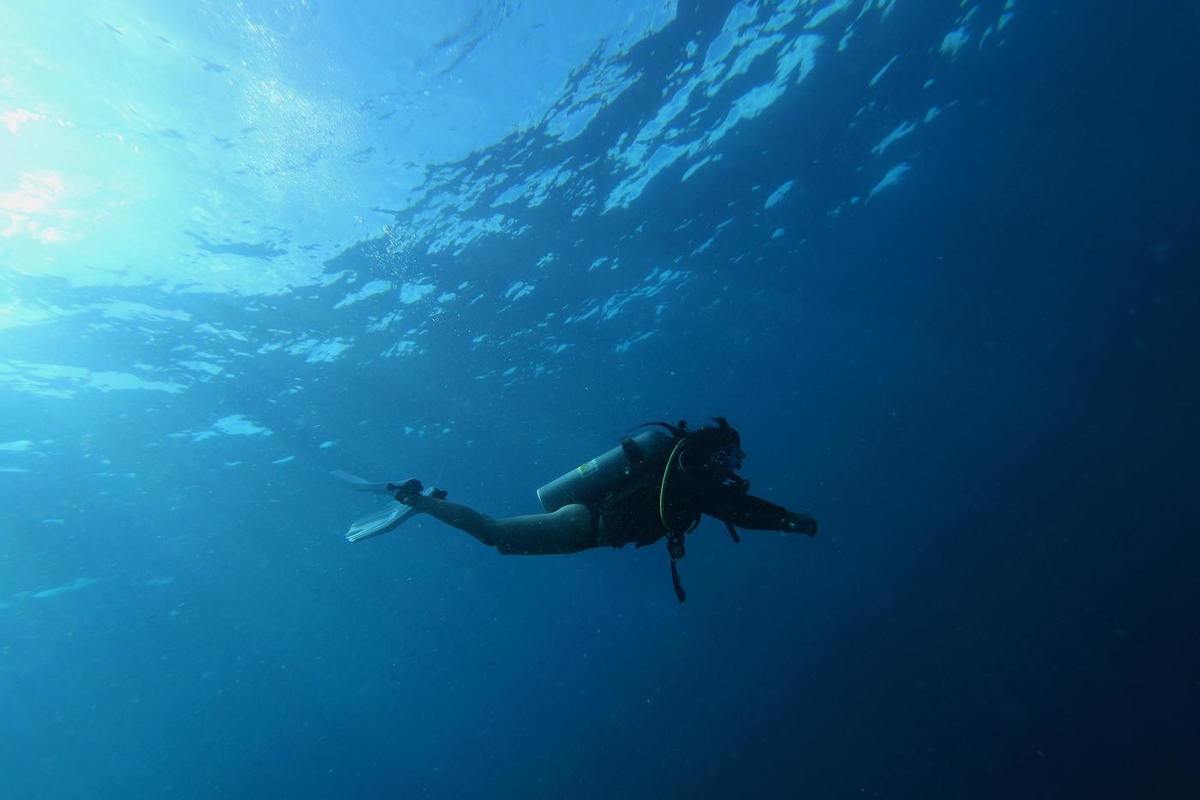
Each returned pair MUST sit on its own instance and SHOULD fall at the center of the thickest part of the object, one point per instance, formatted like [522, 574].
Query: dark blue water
[981, 377]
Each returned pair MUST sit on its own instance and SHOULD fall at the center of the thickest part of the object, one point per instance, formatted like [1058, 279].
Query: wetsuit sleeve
[754, 513]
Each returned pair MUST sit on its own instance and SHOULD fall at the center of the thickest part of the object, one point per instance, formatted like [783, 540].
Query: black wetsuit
[632, 516]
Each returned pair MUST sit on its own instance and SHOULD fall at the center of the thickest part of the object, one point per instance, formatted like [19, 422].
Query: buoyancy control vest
[640, 459]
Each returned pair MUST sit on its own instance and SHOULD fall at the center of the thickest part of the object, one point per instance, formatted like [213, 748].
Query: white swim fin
[361, 485]
[383, 521]
[389, 517]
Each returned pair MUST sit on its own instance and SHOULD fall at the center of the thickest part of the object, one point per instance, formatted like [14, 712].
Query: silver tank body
[591, 480]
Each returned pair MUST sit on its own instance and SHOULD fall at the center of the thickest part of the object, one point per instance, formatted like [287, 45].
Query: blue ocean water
[935, 260]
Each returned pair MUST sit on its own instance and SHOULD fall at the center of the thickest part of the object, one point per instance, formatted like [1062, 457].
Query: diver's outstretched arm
[567, 530]
[755, 513]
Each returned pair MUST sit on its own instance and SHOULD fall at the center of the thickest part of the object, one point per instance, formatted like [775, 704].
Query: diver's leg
[568, 530]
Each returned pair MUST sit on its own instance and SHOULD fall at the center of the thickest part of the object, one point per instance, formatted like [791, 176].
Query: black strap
[675, 548]
[679, 592]
[733, 532]
[634, 453]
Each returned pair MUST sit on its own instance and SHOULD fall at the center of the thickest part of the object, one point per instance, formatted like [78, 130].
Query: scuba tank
[590, 482]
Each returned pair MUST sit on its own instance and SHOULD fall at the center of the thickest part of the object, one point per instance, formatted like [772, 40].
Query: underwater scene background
[935, 260]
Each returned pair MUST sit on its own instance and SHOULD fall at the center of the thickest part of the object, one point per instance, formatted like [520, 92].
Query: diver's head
[713, 455]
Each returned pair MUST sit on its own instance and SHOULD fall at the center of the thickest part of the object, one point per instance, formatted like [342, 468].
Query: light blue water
[935, 260]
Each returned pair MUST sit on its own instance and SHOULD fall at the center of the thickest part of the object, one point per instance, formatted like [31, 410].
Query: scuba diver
[654, 485]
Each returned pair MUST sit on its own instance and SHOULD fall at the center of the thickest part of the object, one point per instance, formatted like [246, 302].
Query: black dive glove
[800, 523]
